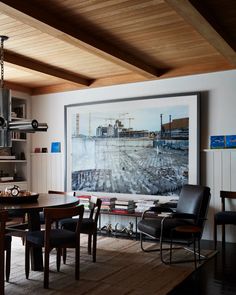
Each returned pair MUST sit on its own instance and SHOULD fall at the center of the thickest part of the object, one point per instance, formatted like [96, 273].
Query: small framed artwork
[218, 142]
[37, 150]
[230, 141]
[44, 150]
[55, 147]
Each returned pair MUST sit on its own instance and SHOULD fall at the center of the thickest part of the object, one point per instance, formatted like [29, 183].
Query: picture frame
[217, 142]
[55, 147]
[138, 110]
[230, 141]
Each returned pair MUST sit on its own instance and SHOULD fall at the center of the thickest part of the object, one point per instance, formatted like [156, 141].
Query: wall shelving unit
[18, 168]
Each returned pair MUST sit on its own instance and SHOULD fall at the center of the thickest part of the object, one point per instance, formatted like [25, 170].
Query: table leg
[36, 253]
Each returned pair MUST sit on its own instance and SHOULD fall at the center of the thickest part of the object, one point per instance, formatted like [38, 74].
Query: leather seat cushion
[152, 227]
[57, 237]
[226, 217]
[87, 225]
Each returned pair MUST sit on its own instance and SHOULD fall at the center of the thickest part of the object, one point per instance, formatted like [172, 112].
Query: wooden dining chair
[5, 246]
[55, 238]
[88, 226]
[224, 216]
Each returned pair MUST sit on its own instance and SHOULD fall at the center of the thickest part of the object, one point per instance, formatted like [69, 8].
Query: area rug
[121, 268]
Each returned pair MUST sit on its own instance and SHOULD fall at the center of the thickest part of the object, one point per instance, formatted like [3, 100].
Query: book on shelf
[123, 202]
[7, 157]
[105, 208]
[6, 178]
[119, 211]
[123, 211]
[127, 207]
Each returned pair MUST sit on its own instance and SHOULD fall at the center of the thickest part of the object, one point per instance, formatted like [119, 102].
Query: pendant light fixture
[6, 125]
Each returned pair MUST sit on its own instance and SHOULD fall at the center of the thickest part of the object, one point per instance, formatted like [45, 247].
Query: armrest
[156, 210]
[183, 215]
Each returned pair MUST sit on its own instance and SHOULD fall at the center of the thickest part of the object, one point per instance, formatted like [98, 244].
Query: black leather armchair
[191, 211]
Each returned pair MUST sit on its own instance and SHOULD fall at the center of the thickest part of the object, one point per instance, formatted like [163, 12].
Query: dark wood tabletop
[43, 201]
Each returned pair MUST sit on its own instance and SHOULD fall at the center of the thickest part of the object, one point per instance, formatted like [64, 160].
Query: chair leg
[89, 243]
[58, 259]
[2, 269]
[94, 246]
[171, 246]
[199, 250]
[46, 268]
[77, 260]
[27, 250]
[223, 235]
[64, 255]
[8, 263]
[194, 251]
[215, 234]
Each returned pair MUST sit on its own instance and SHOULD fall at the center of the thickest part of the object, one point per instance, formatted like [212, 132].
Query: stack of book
[143, 205]
[84, 200]
[107, 204]
[124, 207]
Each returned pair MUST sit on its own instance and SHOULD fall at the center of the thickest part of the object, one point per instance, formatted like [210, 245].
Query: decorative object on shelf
[230, 141]
[19, 111]
[22, 156]
[44, 150]
[108, 228]
[37, 150]
[5, 151]
[6, 125]
[55, 147]
[14, 191]
[128, 230]
[218, 142]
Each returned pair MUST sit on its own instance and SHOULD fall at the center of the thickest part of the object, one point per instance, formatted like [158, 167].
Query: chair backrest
[226, 195]
[3, 220]
[95, 206]
[194, 199]
[55, 214]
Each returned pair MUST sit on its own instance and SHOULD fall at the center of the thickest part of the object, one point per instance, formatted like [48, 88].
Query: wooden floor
[217, 276]
[121, 268]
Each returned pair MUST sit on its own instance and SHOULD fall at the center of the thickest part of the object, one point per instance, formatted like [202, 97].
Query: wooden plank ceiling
[60, 45]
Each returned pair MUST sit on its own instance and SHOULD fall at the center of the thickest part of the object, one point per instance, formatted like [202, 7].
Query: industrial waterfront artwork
[132, 149]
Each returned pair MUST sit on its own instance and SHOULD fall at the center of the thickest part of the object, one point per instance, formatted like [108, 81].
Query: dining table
[32, 209]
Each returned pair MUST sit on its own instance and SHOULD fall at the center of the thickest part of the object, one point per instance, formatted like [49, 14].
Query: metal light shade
[5, 106]
[6, 125]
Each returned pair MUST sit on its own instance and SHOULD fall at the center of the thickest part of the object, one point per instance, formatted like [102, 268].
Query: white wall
[218, 104]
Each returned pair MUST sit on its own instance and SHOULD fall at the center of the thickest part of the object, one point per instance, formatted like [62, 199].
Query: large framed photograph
[141, 146]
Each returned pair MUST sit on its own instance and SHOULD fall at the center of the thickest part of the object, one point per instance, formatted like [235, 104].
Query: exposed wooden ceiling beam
[52, 25]
[34, 65]
[17, 87]
[191, 15]
[119, 79]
